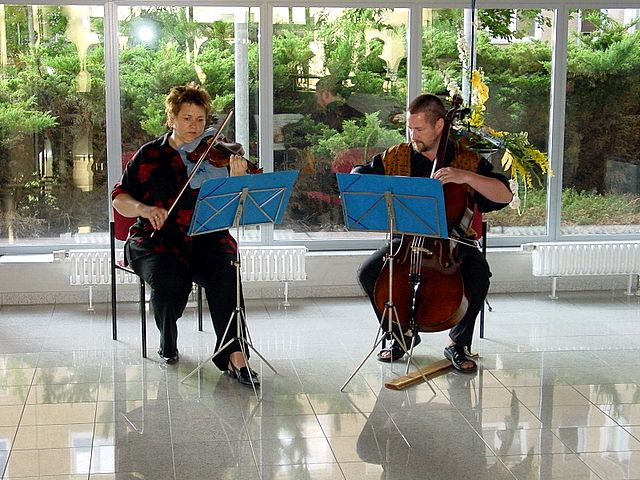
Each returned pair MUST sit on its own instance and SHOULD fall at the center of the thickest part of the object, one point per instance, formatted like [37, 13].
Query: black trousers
[171, 280]
[475, 276]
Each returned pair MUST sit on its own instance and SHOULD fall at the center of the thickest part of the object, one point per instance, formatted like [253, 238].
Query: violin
[205, 145]
[219, 153]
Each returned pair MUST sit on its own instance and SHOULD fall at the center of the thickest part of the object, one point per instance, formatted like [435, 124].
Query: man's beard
[419, 146]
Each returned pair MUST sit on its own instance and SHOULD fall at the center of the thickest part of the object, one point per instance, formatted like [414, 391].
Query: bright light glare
[145, 33]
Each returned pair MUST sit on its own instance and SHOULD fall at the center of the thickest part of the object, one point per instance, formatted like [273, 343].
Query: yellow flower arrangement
[479, 96]
[521, 160]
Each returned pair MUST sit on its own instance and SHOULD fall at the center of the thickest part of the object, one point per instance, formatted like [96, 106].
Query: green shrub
[578, 208]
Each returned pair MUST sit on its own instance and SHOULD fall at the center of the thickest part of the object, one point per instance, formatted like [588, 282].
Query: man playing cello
[486, 191]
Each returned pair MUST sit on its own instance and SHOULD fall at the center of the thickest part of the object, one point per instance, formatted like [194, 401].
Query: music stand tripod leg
[416, 203]
[249, 342]
[389, 313]
[210, 357]
[252, 201]
[239, 315]
[413, 328]
[389, 316]
[244, 343]
[416, 366]
[385, 335]
[378, 340]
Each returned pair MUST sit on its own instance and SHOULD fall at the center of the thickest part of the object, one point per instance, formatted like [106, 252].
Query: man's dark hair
[430, 105]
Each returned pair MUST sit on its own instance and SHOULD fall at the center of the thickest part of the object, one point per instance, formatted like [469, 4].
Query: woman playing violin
[159, 249]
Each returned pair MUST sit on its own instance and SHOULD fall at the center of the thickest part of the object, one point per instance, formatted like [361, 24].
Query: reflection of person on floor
[506, 439]
[333, 108]
[197, 416]
[414, 439]
[138, 416]
[486, 190]
[159, 248]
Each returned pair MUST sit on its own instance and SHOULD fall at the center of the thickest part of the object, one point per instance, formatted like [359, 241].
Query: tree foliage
[18, 115]
[348, 55]
[41, 96]
[603, 85]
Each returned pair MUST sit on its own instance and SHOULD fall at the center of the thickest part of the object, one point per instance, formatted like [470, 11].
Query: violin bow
[199, 162]
[449, 118]
[472, 48]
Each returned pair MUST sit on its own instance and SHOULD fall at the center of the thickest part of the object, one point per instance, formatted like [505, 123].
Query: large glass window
[339, 95]
[515, 66]
[601, 167]
[443, 49]
[52, 123]
[499, 61]
[162, 47]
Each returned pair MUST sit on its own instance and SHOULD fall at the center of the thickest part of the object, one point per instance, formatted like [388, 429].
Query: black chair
[118, 234]
[483, 249]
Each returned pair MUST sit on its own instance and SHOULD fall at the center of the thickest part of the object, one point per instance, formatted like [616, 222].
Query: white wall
[40, 279]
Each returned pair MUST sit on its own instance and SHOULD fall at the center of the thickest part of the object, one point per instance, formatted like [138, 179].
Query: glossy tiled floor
[556, 397]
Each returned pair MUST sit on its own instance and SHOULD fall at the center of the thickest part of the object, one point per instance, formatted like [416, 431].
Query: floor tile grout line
[15, 434]
[173, 452]
[95, 416]
[493, 380]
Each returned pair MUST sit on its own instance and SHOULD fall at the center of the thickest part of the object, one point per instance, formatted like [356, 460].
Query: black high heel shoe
[169, 360]
[244, 375]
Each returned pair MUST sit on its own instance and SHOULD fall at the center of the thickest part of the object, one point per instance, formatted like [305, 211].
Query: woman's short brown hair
[189, 93]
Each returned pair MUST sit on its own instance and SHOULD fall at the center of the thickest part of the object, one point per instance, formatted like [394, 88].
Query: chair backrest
[121, 225]
[476, 223]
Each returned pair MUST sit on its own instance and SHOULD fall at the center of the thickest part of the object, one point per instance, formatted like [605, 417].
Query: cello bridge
[422, 250]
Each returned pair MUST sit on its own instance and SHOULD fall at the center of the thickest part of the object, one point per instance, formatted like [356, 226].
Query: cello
[429, 294]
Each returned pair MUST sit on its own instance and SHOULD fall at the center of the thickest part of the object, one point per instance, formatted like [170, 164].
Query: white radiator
[257, 264]
[584, 258]
[92, 267]
[273, 264]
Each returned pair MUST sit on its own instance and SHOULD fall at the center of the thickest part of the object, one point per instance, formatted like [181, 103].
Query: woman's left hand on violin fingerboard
[237, 166]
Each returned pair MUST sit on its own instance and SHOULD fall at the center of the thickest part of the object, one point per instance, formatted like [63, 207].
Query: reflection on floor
[556, 397]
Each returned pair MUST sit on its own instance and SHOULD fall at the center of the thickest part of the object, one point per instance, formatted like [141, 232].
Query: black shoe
[244, 375]
[457, 355]
[169, 360]
[396, 351]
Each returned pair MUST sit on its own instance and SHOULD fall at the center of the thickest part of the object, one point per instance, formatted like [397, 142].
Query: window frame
[265, 125]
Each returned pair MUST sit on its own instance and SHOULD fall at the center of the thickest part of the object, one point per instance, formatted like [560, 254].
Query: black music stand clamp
[394, 205]
[231, 202]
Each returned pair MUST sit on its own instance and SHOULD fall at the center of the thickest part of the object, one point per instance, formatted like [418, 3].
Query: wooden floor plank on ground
[416, 376]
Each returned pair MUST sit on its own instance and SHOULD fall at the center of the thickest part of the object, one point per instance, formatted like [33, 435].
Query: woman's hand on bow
[129, 207]
[156, 216]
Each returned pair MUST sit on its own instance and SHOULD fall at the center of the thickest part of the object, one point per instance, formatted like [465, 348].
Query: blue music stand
[244, 200]
[229, 202]
[414, 205]
[384, 203]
